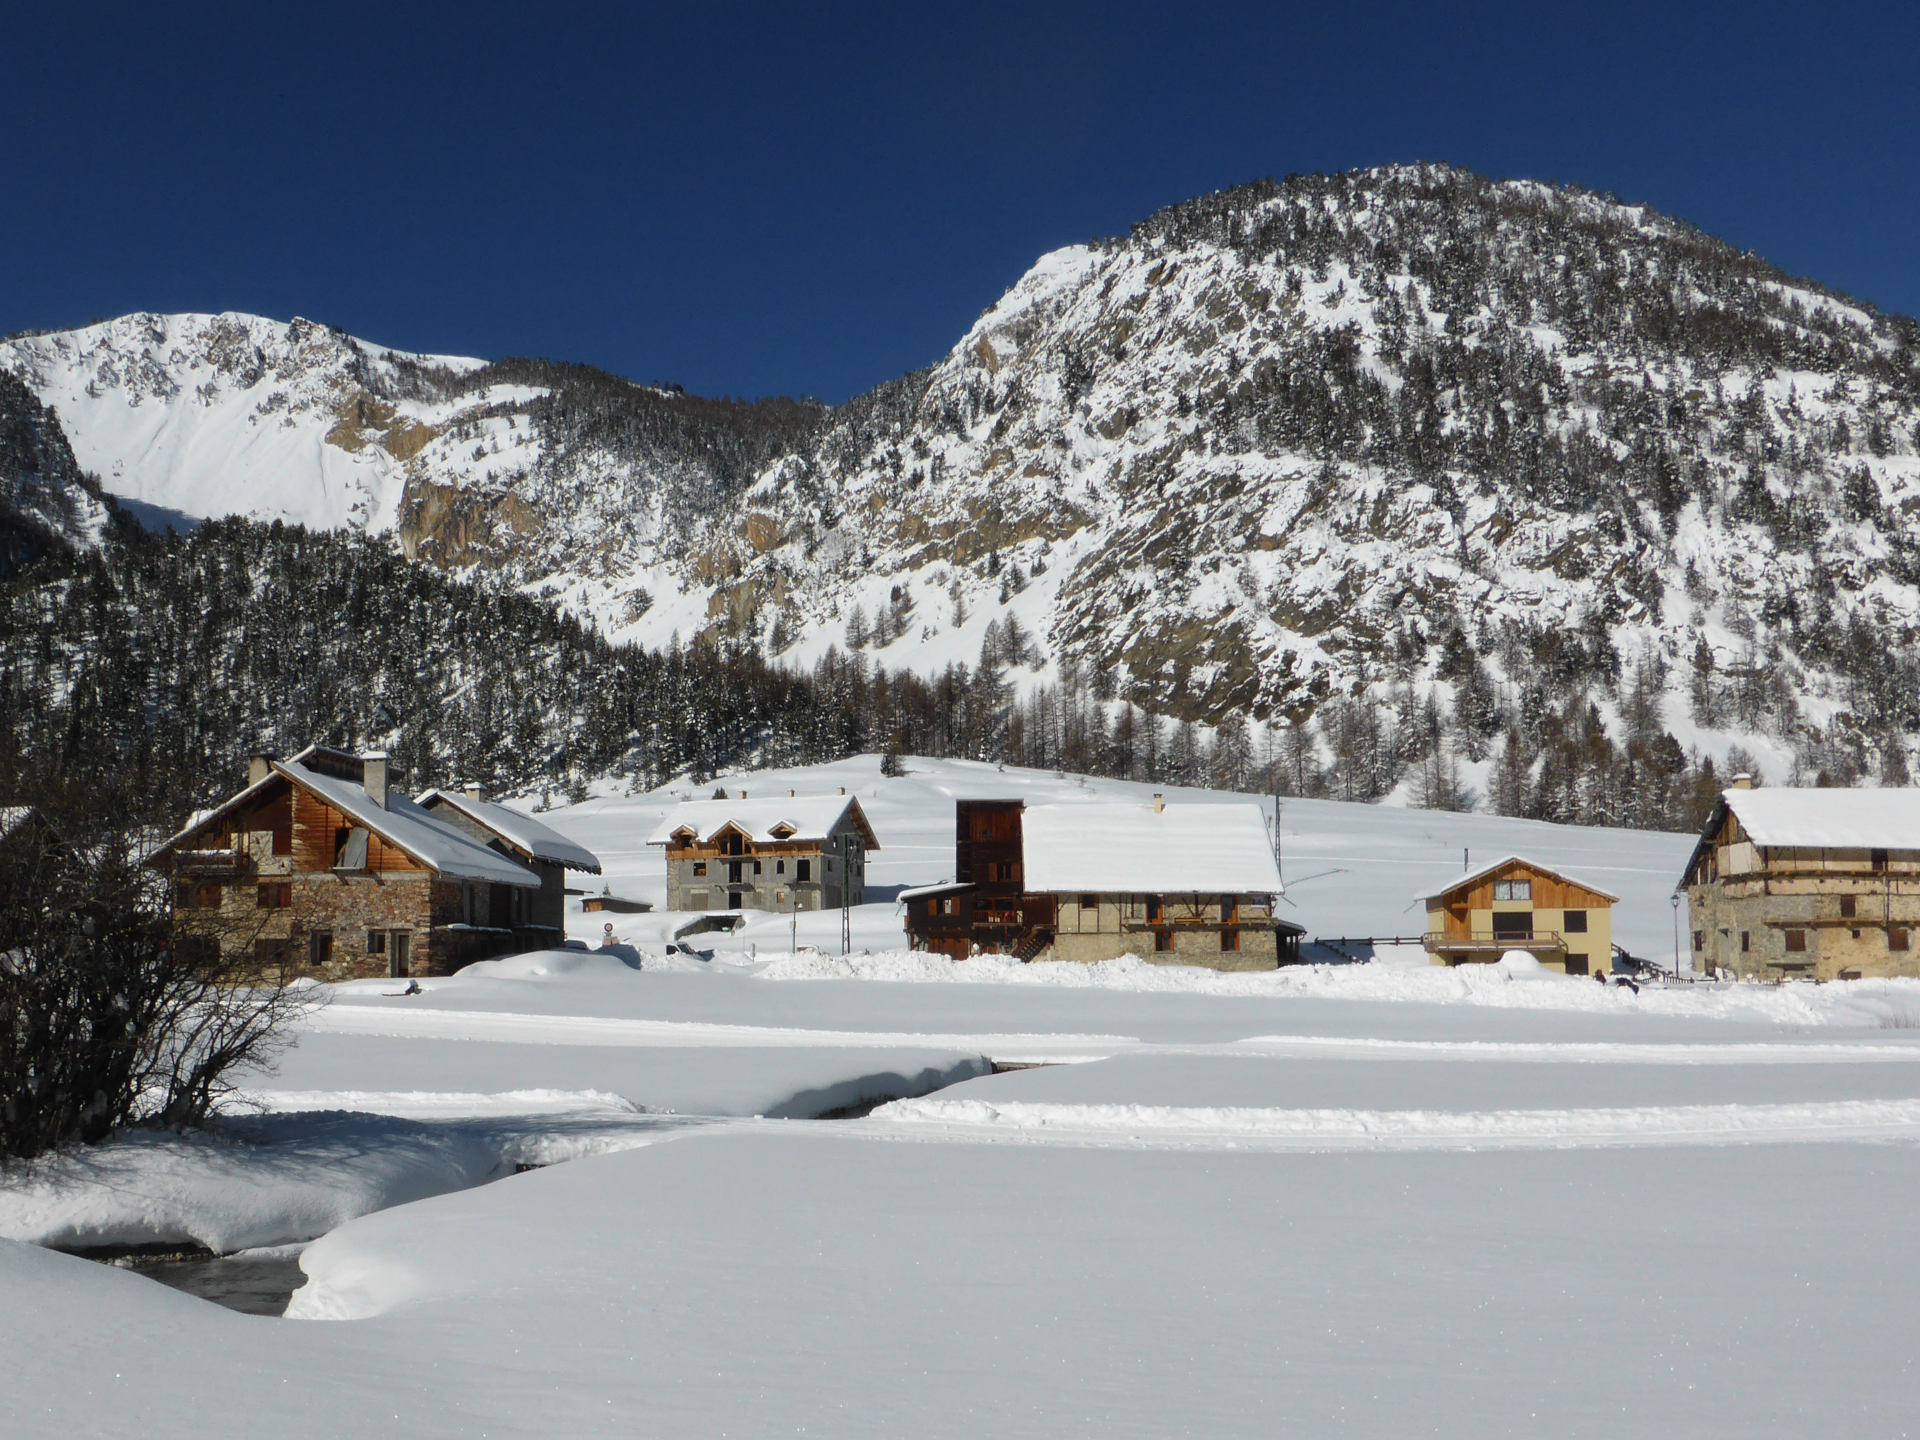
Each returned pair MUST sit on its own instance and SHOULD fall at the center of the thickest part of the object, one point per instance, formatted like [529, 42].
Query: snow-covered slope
[202, 416]
[1493, 444]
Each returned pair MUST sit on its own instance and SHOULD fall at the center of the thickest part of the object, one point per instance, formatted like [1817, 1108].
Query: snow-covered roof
[523, 832]
[802, 818]
[434, 843]
[1113, 848]
[945, 887]
[1462, 881]
[1841, 819]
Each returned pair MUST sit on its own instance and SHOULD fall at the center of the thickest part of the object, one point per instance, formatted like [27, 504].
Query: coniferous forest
[150, 668]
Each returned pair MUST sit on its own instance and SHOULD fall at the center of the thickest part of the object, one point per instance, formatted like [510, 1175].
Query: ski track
[1329, 1047]
[1159, 1127]
[528, 1029]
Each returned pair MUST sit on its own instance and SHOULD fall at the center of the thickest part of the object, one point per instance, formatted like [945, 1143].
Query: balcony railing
[1483, 941]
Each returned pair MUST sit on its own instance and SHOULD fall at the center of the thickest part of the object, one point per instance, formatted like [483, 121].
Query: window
[376, 942]
[1796, 941]
[1229, 939]
[1574, 922]
[803, 870]
[1896, 940]
[1512, 925]
[733, 871]
[199, 897]
[272, 952]
[779, 867]
[1879, 858]
[699, 868]
[1846, 907]
[1163, 940]
[1229, 911]
[319, 948]
[1089, 902]
[273, 895]
[1577, 965]
[946, 905]
[756, 867]
[1153, 909]
[1513, 890]
[1744, 945]
[1699, 939]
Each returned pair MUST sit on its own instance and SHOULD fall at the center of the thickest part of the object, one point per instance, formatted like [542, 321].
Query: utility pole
[846, 895]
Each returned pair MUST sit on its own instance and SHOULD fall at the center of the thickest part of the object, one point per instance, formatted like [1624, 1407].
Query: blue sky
[809, 199]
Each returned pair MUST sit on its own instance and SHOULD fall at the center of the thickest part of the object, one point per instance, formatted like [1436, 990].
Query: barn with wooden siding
[1520, 904]
[1175, 884]
[323, 866]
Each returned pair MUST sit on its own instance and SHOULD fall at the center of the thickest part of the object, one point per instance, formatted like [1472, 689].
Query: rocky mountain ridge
[1408, 433]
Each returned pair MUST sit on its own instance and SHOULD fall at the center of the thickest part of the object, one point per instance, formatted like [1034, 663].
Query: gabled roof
[522, 832]
[436, 845]
[1103, 847]
[1465, 881]
[1840, 819]
[804, 818]
[1816, 819]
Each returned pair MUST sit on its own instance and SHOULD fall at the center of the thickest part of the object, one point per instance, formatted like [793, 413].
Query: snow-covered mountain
[1496, 445]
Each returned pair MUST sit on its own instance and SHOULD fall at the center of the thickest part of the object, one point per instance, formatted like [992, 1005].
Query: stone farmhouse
[805, 852]
[1819, 883]
[323, 866]
[1177, 884]
[1520, 904]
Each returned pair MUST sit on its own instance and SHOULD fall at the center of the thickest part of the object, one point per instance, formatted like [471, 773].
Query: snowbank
[281, 1178]
[1871, 1003]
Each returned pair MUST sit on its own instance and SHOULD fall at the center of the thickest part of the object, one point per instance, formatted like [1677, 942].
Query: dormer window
[782, 831]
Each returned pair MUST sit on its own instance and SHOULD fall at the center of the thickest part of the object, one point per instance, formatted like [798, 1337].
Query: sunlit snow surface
[1375, 1200]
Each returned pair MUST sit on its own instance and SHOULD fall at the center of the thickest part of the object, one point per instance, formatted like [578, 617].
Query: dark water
[251, 1284]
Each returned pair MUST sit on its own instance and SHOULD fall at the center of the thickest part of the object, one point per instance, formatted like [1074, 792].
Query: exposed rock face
[1274, 445]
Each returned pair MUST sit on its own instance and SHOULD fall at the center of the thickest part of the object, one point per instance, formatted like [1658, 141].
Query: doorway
[399, 952]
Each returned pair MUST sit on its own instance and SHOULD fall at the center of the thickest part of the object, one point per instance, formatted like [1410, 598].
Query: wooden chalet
[1183, 884]
[321, 865]
[1520, 904]
[1817, 883]
[797, 852]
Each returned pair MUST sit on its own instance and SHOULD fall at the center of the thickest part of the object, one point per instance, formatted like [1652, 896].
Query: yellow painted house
[1520, 904]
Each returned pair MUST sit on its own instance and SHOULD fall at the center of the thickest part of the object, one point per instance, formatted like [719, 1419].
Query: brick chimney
[1742, 781]
[474, 792]
[259, 768]
[373, 775]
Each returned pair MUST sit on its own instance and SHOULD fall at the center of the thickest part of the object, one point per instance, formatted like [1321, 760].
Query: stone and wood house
[1520, 904]
[1176, 884]
[323, 866]
[797, 852]
[1817, 883]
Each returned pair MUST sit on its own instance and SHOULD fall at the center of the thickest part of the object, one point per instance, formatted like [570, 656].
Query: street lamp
[1676, 934]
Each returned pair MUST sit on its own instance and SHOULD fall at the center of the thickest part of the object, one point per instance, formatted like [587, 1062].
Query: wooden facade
[1519, 904]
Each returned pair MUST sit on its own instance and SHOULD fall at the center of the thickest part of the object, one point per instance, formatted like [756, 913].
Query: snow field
[1370, 1200]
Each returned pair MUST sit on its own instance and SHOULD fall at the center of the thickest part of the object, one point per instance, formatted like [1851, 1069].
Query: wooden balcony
[1535, 942]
